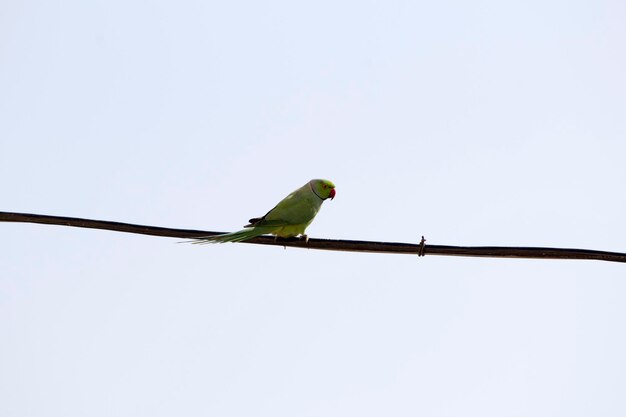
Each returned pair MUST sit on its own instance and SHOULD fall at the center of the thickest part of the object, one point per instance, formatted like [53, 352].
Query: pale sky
[472, 123]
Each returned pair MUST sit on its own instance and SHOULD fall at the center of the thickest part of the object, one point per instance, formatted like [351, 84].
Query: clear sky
[472, 123]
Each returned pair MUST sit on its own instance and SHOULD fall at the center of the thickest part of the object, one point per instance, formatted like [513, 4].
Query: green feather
[289, 218]
[239, 236]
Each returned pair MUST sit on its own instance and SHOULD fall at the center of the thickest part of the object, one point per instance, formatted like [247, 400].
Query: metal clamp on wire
[420, 251]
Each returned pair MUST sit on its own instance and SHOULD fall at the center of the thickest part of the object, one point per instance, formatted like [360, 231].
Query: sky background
[471, 123]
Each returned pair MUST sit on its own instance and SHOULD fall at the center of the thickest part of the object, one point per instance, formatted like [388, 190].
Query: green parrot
[289, 218]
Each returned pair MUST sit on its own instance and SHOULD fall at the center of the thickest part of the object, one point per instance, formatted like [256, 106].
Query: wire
[420, 249]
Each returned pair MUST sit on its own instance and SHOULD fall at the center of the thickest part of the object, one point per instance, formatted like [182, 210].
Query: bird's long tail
[239, 236]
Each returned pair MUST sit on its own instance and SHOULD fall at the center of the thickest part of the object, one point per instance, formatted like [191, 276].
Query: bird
[290, 218]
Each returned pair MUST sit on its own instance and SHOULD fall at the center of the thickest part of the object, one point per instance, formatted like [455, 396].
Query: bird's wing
[299, 207]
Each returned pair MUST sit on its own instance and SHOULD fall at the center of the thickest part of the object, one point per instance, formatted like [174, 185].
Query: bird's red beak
[332, 193]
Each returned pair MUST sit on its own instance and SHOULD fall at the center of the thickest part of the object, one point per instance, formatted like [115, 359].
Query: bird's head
[323, 188]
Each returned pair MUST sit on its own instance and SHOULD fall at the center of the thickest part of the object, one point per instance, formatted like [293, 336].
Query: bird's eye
[325, 186]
